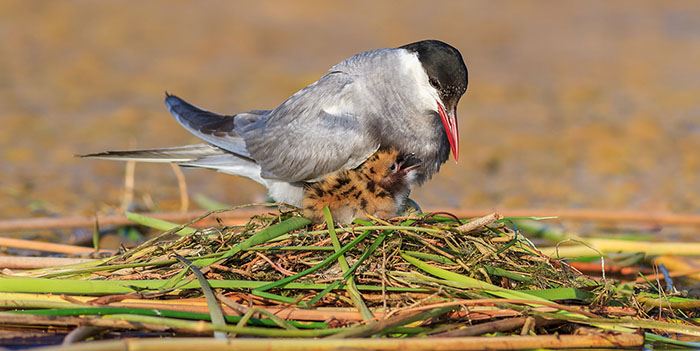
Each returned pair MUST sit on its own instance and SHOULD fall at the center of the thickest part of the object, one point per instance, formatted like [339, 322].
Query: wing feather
[314, 133]
[211, 127]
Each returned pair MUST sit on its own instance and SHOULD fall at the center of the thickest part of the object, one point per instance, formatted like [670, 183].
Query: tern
[402, 98]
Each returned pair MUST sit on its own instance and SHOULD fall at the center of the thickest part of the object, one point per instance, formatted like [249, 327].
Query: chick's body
[378, 187]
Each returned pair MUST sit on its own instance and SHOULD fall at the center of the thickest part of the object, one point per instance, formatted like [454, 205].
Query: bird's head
[404, 170]
[447, 74]
[394, 172]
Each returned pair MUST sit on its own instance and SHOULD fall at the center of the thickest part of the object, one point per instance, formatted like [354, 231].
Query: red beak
[449, 122]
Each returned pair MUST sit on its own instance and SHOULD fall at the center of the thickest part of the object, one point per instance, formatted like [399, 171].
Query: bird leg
[412, 204]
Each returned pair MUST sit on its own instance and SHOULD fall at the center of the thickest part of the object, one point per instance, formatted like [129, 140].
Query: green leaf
[558, 294]
[355, 295]
[469, 282]
[208, 203]
[158, 223]
[500, 272]
[115, 287]
[217, 315]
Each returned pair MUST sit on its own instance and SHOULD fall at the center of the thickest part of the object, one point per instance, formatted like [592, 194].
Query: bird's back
[375, 99]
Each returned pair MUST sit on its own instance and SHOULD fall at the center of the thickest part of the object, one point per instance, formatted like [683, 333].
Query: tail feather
[226, 151]
[177, 154]
[198, 156]
[230, 164]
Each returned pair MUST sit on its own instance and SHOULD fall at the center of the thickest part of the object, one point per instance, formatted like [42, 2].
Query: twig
[502, 325]
[617, 311]
[528, 326]
[182, 187]
[591, 267]
[479, 222]
[129, 172]
[383, 273]
[481, 302]
[665, 302]
[274, 265]
[45, 247]
[237, 307]
[375, 327]
[29, 262]
[415, 344]
[25, 319]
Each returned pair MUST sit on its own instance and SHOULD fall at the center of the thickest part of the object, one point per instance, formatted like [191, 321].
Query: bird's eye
[393, 167]
[434, 82]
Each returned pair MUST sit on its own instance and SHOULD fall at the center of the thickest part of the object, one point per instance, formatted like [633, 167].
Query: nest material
[494, 253]
[424, 275]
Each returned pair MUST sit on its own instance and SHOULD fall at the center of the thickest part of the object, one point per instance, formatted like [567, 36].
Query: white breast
[285, 192]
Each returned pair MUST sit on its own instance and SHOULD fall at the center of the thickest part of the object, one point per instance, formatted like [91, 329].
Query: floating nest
[417, 276]
[376, 251]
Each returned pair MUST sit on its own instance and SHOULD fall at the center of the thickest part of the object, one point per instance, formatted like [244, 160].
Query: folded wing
[211, 127]
[317, 131]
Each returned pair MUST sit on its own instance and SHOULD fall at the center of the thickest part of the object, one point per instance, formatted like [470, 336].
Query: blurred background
[571, 104]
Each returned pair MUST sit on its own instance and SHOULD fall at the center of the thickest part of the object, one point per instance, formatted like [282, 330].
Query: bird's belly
[286, 192]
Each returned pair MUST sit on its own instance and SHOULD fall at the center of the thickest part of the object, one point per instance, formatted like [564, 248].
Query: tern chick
[378, 187]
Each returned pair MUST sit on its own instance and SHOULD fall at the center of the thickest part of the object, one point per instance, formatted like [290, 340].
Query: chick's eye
[393, 167]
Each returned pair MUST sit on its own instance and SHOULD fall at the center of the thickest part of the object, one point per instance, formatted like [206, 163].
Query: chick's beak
[410, 162]
[406, 163]
[449, 122]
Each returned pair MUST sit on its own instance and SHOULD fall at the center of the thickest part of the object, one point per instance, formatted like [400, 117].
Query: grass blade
[217, 315]
[103, 311]
[117, 287]
[157, 223]
[343, 263]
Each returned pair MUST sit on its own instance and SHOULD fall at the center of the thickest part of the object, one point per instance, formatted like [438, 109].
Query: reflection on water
[590, 104]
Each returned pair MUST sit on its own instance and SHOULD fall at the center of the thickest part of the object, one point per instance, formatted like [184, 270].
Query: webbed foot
[412, 206]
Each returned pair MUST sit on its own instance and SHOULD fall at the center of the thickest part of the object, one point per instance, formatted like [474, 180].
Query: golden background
[570, 103]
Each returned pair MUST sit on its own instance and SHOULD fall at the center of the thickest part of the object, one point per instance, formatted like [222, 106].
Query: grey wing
[318, 130]
[213, 128]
